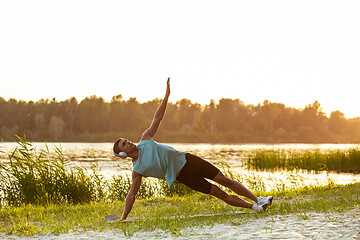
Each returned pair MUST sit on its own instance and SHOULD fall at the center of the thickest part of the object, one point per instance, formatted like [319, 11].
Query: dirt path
[344, 225]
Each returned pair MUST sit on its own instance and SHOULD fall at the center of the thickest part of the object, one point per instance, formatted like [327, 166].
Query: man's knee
[222, 179]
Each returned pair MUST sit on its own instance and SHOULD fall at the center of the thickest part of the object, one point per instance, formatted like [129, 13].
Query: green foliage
[338, 161]
[31, 177]
[148, 188]
[119, 186]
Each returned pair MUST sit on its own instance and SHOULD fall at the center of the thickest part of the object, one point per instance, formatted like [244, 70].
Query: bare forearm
[129, 201]
[159, 114]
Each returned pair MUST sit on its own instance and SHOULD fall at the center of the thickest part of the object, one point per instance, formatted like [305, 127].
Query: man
[152, 159]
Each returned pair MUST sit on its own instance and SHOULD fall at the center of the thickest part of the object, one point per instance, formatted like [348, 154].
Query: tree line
[226, 121]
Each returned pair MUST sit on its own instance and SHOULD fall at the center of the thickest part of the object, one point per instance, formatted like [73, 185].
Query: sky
[292, 52]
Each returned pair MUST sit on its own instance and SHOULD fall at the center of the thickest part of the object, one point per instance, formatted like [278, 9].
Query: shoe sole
[268, 204]
[270, 200]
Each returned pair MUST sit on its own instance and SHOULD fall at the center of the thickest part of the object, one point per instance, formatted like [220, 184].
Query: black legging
[195, 171]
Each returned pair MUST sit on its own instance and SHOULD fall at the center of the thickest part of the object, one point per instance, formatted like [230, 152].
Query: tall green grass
[30, 176]
[337, 161]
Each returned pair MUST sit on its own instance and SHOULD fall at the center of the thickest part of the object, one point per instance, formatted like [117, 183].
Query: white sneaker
[258, 208]
[265, 200]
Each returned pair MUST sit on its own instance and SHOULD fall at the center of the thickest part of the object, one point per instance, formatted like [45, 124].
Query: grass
[171, 214]
[31, 176]
[337, 161]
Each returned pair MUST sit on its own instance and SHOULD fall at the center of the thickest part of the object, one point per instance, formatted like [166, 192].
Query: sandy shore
[344, 225]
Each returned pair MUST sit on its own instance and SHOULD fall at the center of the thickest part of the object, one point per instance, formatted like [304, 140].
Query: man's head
[122, 146]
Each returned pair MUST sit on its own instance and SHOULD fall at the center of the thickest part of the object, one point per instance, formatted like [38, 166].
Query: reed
[337, 161]
[31, 176]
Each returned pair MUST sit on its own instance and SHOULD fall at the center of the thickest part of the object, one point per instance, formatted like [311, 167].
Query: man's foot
[263, 203]
[259, 208]
[265, 200]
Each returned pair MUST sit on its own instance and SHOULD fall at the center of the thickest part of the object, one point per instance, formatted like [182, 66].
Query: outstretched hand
[168, 87]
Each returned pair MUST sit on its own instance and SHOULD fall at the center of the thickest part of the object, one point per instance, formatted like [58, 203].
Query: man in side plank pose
[152, 159]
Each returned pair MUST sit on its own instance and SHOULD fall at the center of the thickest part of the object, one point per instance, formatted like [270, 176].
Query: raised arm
[130, 198]
[159, 114]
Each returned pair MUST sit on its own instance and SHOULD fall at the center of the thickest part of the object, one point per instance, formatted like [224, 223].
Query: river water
[83, 154]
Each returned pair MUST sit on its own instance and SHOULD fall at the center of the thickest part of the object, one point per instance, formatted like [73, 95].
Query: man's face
[126, 146]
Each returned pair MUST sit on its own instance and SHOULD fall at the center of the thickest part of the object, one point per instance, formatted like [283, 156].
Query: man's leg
[229, 199]
[235, 186]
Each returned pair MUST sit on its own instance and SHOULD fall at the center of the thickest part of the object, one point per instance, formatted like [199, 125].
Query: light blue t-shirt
[159, 161]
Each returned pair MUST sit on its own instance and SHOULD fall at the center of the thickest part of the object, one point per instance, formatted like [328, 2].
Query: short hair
[116, 148]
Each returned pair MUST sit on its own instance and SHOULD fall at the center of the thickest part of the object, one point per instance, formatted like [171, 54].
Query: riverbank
[344, 225]
[304, 213]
